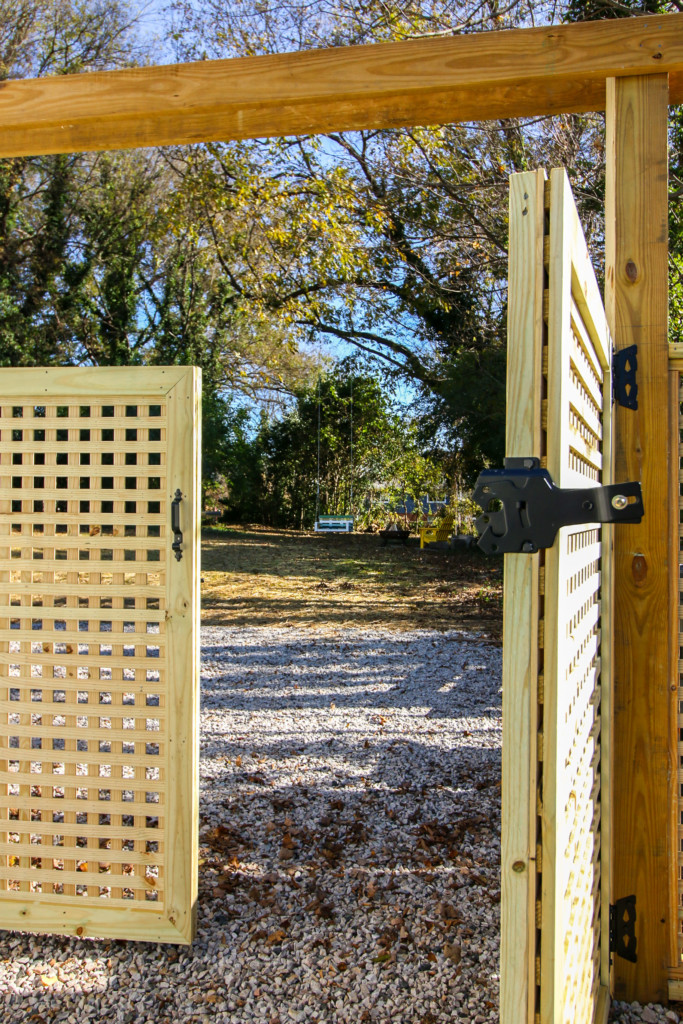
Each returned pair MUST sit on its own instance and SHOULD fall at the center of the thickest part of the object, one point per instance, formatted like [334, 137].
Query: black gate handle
[175, 525]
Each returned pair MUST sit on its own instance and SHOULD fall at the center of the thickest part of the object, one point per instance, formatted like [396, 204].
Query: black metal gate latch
[531, 509]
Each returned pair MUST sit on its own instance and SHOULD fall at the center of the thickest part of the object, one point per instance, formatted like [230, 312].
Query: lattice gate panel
[86, 723]
[573, 957]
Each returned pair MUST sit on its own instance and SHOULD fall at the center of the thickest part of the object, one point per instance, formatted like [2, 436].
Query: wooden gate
[556, 684]
[99, 651]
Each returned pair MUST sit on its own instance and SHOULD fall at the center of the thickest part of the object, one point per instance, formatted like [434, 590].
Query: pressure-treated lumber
[482, 76]
[99, 652]
[182, 627]
[90, 382]
[636, 303]
[520, 630]
[676, 679]
[574, 930]
[676, 355]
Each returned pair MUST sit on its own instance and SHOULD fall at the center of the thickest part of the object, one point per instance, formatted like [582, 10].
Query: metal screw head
[528, 547]
[619, 501]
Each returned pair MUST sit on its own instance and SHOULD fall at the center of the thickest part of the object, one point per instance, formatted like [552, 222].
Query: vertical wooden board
[606, 692]
[520, 631]
[526, 328]
[676, 676]
[183, 631]
[553, 964]
[636, 291]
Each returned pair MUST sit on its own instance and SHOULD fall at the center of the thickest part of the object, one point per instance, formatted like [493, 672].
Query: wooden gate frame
[632, 69]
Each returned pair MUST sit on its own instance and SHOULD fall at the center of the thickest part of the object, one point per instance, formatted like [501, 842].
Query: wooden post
[636, 286]
[523, 436]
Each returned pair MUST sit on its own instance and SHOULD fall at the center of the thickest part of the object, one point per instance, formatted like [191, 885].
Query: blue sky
[152, 20]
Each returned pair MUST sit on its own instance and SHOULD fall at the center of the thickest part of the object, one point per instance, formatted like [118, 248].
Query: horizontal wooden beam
[489, 75]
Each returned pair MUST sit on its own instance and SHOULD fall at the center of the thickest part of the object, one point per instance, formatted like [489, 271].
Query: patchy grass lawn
[258, 576]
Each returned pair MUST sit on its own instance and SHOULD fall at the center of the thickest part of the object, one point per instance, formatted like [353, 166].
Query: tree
[392, 241]
[39, 197]
[345, 425]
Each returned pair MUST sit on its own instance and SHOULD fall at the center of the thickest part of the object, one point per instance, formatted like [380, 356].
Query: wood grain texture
[606, 683]
[675, 669]
[636, 305]
[577, 567]
[182, 628]
[482, 76]
[98, 653]
[88, 382]
[602, 1013]
[520, 629]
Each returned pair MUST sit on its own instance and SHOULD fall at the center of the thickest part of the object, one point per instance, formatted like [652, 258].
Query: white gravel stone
[350, 833]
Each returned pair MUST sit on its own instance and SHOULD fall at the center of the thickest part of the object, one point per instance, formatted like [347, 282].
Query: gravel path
[350, 847]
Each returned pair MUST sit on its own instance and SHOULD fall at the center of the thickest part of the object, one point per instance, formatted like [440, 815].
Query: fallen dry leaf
[447, 911]
[452, 951]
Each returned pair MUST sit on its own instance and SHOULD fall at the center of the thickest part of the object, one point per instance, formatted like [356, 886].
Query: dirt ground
[258, 576]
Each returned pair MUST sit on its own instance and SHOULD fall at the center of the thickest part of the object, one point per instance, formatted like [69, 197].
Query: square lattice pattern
[82, 651]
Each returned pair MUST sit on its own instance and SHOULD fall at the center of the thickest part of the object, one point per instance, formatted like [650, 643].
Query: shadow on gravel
[365, 672]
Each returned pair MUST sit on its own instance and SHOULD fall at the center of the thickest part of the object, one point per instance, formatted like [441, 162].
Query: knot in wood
[639, 568]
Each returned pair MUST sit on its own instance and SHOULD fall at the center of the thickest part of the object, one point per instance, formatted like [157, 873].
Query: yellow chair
[430, 534]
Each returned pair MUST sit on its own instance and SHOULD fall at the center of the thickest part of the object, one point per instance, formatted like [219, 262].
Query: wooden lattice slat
[91, 660]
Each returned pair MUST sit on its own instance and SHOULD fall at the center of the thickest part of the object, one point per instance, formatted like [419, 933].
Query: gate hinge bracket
[624, 381]
[622, 928]
[532, 509]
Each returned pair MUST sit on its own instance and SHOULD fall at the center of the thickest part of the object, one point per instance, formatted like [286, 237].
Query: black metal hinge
[523, 509]
[624, 382]
[622, 928]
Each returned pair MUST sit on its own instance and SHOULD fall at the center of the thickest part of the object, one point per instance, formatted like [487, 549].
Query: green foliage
[464, 423]
[234, 257]
[231, 458]
[596, 10]
[273, 477]
[583, 10]
[394, 242]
